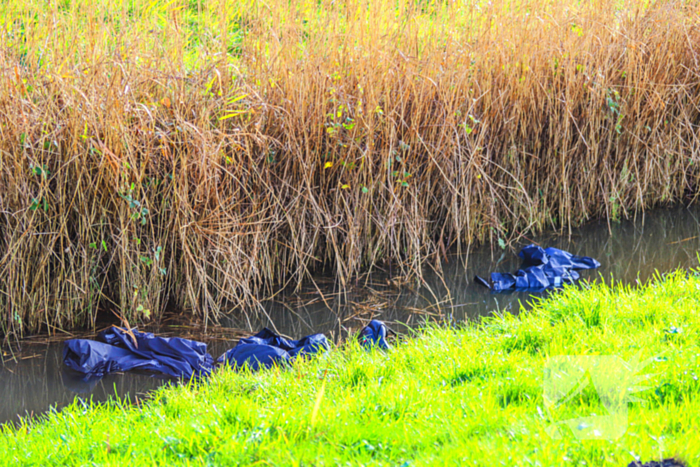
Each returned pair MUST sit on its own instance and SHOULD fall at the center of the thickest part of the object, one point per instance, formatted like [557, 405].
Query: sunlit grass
[465, 396]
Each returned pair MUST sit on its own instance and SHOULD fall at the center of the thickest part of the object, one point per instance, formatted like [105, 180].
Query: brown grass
[202, 155]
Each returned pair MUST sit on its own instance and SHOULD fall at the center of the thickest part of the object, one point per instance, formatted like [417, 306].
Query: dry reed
[204, 154]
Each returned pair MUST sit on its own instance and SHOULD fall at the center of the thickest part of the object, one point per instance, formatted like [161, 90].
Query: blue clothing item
[541, 269]
[266, 349]
[114, 351]
[374, 335]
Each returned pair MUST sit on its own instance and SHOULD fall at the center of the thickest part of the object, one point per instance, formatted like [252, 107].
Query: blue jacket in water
[266, 349]
[541, 268]
[114, 350]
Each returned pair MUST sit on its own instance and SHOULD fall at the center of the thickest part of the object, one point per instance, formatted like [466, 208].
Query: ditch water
[629, 251]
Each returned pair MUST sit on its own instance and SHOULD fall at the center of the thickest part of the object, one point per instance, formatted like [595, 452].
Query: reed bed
[205, 154]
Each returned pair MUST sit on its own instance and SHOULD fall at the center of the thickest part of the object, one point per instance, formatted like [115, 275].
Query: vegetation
[203, 153]
[471, 395]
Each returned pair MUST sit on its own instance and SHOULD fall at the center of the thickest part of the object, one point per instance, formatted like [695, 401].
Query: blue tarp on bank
[374, 335]
[266, 349]
[541, 269]
[117, 351]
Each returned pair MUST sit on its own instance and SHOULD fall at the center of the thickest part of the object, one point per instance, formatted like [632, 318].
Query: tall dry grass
[203, 154]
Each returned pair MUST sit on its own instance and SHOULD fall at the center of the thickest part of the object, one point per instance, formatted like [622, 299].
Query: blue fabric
[541, 269]
[114, 351]
[266, 349]
[374, 335]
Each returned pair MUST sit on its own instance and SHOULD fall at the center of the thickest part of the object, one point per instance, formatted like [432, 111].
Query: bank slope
[471, 395]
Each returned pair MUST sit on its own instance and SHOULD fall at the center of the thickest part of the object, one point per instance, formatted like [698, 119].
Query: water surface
[630, 251]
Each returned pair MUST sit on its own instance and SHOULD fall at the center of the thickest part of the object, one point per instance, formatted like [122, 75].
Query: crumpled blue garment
[267, 348]
[541, 269]
[374, 335]
[115, 351]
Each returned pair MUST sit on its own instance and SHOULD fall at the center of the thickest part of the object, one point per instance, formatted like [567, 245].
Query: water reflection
[629, 251]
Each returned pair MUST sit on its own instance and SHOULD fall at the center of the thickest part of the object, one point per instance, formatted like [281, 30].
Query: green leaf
[104, 245]
[231, 115]
[145, 311]
[41, 171]
[236, 99]
[365, 189]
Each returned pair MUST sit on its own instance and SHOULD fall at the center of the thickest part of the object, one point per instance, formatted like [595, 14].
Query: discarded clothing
[374, 335]
[541, 269]
[115, 350]
[266, 349]
[664, 463]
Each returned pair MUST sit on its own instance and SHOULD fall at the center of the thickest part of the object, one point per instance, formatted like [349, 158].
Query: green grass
[469, 396]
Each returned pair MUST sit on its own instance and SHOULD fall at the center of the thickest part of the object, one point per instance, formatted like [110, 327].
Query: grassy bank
[201, 154]
[466, 396]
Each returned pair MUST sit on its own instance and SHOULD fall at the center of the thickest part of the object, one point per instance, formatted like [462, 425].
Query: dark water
[629, 251]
